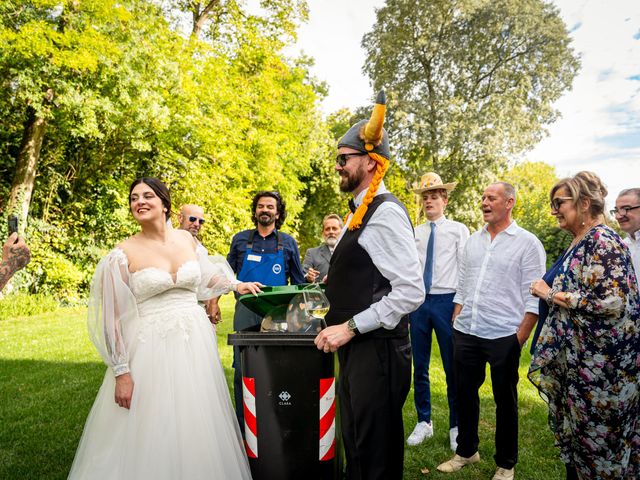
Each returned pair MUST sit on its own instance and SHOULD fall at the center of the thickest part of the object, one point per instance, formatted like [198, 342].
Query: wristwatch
[351, 325]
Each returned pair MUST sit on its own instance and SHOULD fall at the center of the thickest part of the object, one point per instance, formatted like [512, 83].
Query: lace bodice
[151, 281]
[120, 299]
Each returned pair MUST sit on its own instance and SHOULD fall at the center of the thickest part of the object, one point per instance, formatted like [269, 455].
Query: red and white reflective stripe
[250, 424]
[327, 418]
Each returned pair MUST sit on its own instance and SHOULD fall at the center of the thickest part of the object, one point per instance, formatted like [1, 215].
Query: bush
[24, 305]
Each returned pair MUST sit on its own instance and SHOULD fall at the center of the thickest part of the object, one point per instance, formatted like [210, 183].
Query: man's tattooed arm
[15, 256]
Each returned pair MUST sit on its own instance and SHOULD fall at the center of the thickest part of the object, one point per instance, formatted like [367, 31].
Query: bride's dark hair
[159, 188]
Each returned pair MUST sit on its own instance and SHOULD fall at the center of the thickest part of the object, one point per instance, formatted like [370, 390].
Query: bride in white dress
[163, 410]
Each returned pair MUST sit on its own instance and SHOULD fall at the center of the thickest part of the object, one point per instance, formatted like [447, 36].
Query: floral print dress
[587, 361]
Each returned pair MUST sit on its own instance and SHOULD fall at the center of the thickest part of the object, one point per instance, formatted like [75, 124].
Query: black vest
[354, 282]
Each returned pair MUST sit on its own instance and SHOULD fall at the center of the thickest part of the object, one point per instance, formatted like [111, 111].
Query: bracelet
[234, 287]
[549, 297]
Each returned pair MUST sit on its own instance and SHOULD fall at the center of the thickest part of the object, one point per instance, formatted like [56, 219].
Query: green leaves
[216, 117]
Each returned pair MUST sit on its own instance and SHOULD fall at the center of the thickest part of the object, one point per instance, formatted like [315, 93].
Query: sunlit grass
[50, 374]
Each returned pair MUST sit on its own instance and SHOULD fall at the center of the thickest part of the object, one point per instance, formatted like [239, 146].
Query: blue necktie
[428, 264]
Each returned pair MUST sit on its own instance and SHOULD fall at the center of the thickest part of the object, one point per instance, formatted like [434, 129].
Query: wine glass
[316, 305]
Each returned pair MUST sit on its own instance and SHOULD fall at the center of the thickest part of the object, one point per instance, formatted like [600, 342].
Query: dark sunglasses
[341, 158]
[557, 202]
[192, 219]
[622, 211]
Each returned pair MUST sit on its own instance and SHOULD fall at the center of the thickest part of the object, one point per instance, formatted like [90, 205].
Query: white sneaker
[422, 431]
[453, 438]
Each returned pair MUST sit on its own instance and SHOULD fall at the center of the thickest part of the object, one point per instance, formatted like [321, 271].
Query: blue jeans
[434, 314]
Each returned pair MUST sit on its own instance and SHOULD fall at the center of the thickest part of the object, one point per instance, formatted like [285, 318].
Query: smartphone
[13, 224]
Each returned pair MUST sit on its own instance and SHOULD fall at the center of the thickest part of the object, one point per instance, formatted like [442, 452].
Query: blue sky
[600, 125]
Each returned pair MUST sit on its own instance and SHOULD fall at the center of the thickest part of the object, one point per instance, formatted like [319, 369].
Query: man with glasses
[263, 254]
[191, 219]
[627, 213]
[374, 282]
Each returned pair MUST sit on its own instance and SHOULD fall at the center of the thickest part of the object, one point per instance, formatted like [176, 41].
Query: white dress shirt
[634, 248]
[448, 249]
[388, 239]
[494, 280]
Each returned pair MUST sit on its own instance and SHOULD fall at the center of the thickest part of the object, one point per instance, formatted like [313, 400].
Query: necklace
[577, 238]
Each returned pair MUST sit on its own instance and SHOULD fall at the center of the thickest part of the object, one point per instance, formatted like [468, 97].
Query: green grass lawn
[50, 374]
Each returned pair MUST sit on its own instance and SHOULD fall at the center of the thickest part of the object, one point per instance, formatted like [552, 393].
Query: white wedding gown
[181, 424]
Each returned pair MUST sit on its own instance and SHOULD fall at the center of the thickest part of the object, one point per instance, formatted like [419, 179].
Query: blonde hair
[584, 186]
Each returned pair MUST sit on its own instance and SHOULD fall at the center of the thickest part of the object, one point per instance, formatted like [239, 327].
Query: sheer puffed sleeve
[111, 306]
[217, 276]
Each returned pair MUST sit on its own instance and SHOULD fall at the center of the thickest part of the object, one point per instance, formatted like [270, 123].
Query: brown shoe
[504, 474]
[457, 462]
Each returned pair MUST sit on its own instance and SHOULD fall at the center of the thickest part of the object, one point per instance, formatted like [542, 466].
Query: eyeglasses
[193, 219]
[622, 211]
[341, 158]
[557, 202]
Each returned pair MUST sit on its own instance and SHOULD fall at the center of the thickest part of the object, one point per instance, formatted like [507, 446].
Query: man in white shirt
[440, 244]
[627, 213]
[374, 282]
[493, 317]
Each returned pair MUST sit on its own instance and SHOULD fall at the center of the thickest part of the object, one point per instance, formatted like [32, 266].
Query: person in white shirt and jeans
[493, 317]
[440, 244]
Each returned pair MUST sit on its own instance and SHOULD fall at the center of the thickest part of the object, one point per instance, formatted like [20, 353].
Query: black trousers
[471, 354]
[374, 380]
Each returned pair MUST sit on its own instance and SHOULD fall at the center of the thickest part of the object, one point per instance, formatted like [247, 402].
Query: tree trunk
[26, 166]
[200, 16]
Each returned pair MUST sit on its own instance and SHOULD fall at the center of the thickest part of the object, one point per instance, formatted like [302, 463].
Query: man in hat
[374, 282]
[316, 260]
[440, 243]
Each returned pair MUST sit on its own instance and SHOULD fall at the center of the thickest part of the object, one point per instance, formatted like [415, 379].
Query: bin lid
[271, 339]
[271, 297]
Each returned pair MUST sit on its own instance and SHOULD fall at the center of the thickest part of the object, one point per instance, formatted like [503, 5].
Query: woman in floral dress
[587, 360]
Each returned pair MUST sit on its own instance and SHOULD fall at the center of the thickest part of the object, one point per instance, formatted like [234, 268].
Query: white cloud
[600, 125]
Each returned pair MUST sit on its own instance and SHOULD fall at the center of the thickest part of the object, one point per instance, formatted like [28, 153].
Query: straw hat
[432, 181]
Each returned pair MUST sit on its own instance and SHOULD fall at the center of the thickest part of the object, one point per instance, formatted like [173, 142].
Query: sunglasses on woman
[557, 202]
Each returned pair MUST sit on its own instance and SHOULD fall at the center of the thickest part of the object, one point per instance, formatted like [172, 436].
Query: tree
[321, 184]
[216, 119]
[533, 182]
[471, 83]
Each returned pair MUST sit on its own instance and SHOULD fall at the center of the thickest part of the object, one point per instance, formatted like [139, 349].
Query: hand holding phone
[13, 225]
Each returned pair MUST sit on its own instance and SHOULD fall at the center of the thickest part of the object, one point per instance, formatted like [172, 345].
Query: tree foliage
[216, 117]
[533, 182]
[471, 83]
